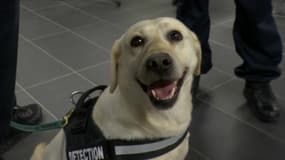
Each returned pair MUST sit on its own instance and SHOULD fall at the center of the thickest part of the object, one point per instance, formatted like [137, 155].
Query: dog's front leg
[55, 150]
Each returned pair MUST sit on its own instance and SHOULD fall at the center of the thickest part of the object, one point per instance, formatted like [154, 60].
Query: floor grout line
[49, 81]
[279, 16]
[43, 8]
[93, 66]
[48, 35]
[222, 44]
[222, 23]
[76, 34]
[198, 152]
[217, 86]
[90, 15]
[223, 83]
[57, 60]
[222, 71]
[63, 76]
[36, 101]
[107, 21]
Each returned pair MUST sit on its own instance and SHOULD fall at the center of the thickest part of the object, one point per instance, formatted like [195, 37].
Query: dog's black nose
[159, 63]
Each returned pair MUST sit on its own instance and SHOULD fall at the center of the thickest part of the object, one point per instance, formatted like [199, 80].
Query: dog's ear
[198, 50]
[115, 56]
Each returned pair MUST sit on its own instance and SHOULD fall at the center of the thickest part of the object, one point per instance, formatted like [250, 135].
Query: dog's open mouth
[163, 93]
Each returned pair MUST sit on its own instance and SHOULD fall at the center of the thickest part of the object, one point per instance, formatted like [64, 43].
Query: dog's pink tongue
[162, 89]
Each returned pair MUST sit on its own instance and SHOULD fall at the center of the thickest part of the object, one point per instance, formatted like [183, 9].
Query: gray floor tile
[67, 16]
[281, 29]
[17, 88]
[220, 137]
[213, 79]
[99, 74]
[171, 12]
[33, 26]
[225, 59]
[126, 4]
[72, 50]
[138, 14]
[38, 4]
[280, 20]
[101, 33]
[34, 66]
[95, 7]
[282, 64]
[278, 86]
[221, 10]
[121, 16]
[55, 96]
[229, 98]
[193, 154]
[24, 149]
[223, 35]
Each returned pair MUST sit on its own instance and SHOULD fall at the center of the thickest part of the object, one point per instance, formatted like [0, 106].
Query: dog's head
[154, 60]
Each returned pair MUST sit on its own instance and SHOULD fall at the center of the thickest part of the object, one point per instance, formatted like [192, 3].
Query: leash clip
[66, 117]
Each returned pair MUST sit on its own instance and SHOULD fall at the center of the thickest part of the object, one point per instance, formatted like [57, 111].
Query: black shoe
[195, 86]
[262, 101]
[29, 115]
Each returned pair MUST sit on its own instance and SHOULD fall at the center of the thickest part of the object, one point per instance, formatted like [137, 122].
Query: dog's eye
[137, 41]
[175, 36]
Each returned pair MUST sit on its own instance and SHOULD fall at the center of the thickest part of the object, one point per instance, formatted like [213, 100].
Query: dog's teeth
[173, 92]
[154, 94]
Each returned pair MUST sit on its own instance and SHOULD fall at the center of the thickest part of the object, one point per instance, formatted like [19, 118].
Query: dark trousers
[9, 22]
[256, 38]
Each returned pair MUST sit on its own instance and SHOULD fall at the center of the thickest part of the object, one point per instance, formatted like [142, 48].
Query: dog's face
[153, 60]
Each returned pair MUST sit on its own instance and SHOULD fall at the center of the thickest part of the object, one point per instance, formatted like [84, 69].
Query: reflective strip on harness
[144, 148]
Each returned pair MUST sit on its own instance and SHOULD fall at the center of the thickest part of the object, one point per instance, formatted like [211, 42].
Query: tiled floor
[64, 46]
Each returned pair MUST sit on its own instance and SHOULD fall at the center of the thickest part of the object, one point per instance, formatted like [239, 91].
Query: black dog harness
[85, 141]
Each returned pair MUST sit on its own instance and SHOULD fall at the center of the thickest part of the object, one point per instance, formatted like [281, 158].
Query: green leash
[37, 128]
[60, 123]
[43, 127]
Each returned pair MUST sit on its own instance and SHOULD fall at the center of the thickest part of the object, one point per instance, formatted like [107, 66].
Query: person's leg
[9, 16]
[259, 44]
[257, 41]
[195, 15]
[9, 110]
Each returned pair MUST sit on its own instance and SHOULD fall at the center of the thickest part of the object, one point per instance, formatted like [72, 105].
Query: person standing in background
[30, 114]
[257, 42]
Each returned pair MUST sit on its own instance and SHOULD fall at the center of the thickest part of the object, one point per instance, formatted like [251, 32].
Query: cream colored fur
[123, 110]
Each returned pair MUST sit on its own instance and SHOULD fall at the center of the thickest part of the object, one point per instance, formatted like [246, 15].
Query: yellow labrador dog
[152, 66]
